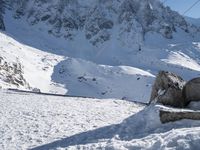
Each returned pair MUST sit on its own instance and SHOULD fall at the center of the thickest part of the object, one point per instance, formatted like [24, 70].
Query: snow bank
[144, 130]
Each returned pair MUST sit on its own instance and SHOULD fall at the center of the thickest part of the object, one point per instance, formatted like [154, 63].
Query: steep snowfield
[37, 66]
[39, 122]
[57, 74]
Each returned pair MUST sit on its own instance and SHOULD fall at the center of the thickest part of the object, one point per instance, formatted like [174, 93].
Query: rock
[106, 24]
[2, 27]
[36, 90]
[171, 116]
[191, 90]
[167, 90]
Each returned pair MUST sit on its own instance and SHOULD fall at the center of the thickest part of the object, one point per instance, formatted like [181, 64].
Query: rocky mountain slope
[95, 47]
[96, 19]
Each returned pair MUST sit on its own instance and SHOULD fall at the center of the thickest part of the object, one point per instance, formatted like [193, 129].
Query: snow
[102, 81]
[144, 131]
[57, 65]
[37, 65]
[124, 67]
[37, 122]
[29, 120]
[194, 21]
[182, 59]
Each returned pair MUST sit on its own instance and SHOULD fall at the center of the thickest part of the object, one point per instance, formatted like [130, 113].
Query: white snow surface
[37, 122]
[29, 120]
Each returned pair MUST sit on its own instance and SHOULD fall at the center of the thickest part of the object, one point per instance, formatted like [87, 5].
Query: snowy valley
[110, 50]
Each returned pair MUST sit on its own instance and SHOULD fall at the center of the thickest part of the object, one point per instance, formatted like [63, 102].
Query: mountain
[96, 19]
[98, 48]
[194, 21]
[103, 49]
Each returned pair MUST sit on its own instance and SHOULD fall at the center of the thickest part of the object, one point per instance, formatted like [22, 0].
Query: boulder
[172, 116]
[191, 90]
[167, 90]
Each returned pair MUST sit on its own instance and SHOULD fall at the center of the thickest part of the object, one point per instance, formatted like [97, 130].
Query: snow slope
[36, 65]
[194, 21]
[111, 70]
[43, 122]
[57, 74]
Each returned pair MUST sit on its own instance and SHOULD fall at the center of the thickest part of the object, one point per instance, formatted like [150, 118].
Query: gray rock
[2, 5]
[171, 116]
[2, 27]
[107, 24]
[191, 90]
[167, 90]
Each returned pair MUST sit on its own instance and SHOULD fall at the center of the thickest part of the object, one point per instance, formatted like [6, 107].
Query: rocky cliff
[98, 19]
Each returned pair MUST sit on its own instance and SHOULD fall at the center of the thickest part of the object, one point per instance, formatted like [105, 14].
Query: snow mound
[102, 81]
[144, 130]
[46, 122]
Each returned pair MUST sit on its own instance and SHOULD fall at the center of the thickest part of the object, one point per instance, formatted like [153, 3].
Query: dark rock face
[191, 90]
[167, 90]
[65, 17]
[2, 26]
[12, 73]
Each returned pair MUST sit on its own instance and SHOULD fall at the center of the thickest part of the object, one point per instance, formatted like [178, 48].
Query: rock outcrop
[12, 73]
[167, 90]
[191, 90]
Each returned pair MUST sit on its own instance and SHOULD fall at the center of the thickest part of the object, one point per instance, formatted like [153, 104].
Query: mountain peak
[96, 18]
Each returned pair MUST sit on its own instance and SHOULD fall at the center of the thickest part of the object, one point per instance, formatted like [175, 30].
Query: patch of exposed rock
[191, 90]
[2, 26]
[167, 89]
[12, 73]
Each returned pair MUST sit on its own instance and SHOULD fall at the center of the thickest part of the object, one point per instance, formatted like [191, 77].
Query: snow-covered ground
[30, 121]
